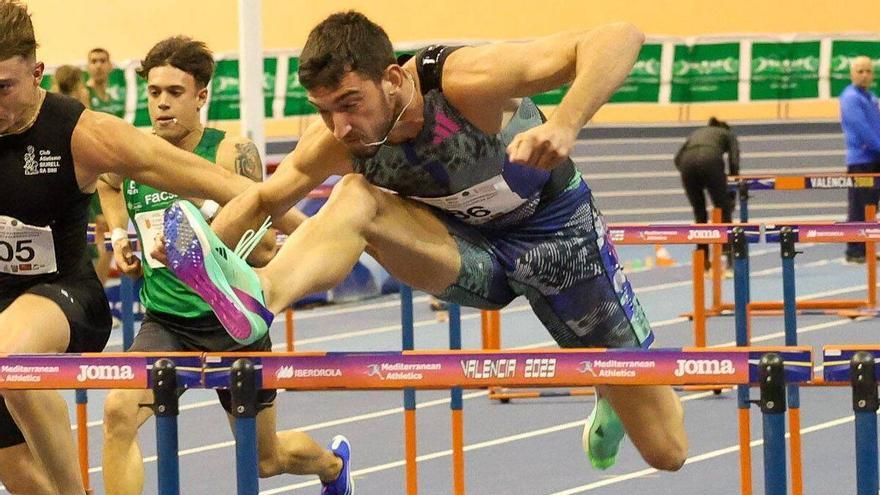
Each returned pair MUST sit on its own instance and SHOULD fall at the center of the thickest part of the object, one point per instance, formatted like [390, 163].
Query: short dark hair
[16, 31]
[184, 53]
[99, 50]
[713, 122]
[344, 42]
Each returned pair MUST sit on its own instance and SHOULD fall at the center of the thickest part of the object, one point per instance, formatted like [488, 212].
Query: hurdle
[743, 184]
[856, 366]
[771, 368]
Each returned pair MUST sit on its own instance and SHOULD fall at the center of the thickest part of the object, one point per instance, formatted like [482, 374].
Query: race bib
[25, 249]
[150, 224]
[480, 203]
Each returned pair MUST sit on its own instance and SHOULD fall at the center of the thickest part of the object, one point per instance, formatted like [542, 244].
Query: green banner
[783, 71]
[708, 72]
[270, 72]
[142, 113]
[643, 83]
[46, 81]
[842, 54]
[225, 101]
[295, 99]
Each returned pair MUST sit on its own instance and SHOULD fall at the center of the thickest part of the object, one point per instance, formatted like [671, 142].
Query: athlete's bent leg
[21, 473]
[405, 237]
[290, 452]
[654, 420]
[123, 465]
[36, 324]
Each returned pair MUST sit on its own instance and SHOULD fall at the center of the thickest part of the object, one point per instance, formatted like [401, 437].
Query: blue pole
[246, 456]
[166, 448]
[741, 298]
[408, 338]
[789, 302]
[126, 301]
[866, 453]
[163, 376]
[863, 380]
[455, 344]
[243, 389]
[775, 472]
[771, 368]
[743, 190]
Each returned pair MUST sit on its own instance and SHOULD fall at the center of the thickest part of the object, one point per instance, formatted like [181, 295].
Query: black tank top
[38, 187]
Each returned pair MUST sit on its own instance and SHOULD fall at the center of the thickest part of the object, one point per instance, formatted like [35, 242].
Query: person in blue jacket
[860, 120]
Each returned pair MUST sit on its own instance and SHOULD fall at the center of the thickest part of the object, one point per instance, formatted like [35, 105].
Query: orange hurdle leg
[458, 452]
[797, 473]
[745, 452]
[289, 329]
[412, 478]
[699, 299]
[82, 440]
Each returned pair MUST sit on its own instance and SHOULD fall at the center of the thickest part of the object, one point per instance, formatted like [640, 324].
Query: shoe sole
[190, 262]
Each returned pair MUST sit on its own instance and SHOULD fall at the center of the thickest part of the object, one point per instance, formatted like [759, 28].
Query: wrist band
[209, 209]
[118, 234]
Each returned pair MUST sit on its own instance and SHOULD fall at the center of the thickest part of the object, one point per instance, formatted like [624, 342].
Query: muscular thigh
[412, 243]
[33, 323]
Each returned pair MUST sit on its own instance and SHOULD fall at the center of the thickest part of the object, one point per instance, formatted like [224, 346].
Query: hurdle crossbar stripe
[681, 234]
[807, 181]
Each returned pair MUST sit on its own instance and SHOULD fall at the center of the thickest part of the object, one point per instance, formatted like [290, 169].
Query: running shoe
[343, 484]
[220, 276]
[603, 433]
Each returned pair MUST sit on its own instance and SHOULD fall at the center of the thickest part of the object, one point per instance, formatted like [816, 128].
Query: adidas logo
[222, 252]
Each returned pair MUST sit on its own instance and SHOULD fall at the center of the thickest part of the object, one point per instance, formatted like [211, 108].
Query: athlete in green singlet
[177, 71]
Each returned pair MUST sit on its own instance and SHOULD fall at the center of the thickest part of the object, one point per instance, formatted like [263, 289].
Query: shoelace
[251, 238]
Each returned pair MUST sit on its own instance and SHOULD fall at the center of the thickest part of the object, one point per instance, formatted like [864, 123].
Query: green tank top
[162, 292]
[113, 106]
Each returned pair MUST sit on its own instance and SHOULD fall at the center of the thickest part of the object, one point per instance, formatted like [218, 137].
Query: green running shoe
[603, 433]
[220, 276]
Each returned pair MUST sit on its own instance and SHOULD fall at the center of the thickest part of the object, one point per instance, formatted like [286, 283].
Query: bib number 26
[472, 212]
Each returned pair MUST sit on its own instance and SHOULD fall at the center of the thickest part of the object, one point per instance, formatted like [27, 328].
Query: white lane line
[467, 448]
[696, 459]
[649, 157]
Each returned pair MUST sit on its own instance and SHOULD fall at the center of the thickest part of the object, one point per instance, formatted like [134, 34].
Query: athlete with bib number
[177, 71]
[460, 187]
[52, 151]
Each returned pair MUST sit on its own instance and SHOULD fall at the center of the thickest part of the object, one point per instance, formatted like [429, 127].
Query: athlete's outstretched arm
[103, 143]
[594, 62]
[317, 156]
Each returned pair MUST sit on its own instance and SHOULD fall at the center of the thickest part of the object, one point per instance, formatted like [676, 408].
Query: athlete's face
[174, 101]
[19, 91]
[358, 111]
[99, 66]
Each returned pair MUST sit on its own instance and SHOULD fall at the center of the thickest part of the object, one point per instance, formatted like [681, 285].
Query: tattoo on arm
[247, 161]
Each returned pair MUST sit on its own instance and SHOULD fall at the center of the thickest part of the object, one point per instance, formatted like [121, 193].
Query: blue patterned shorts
[562, 260]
